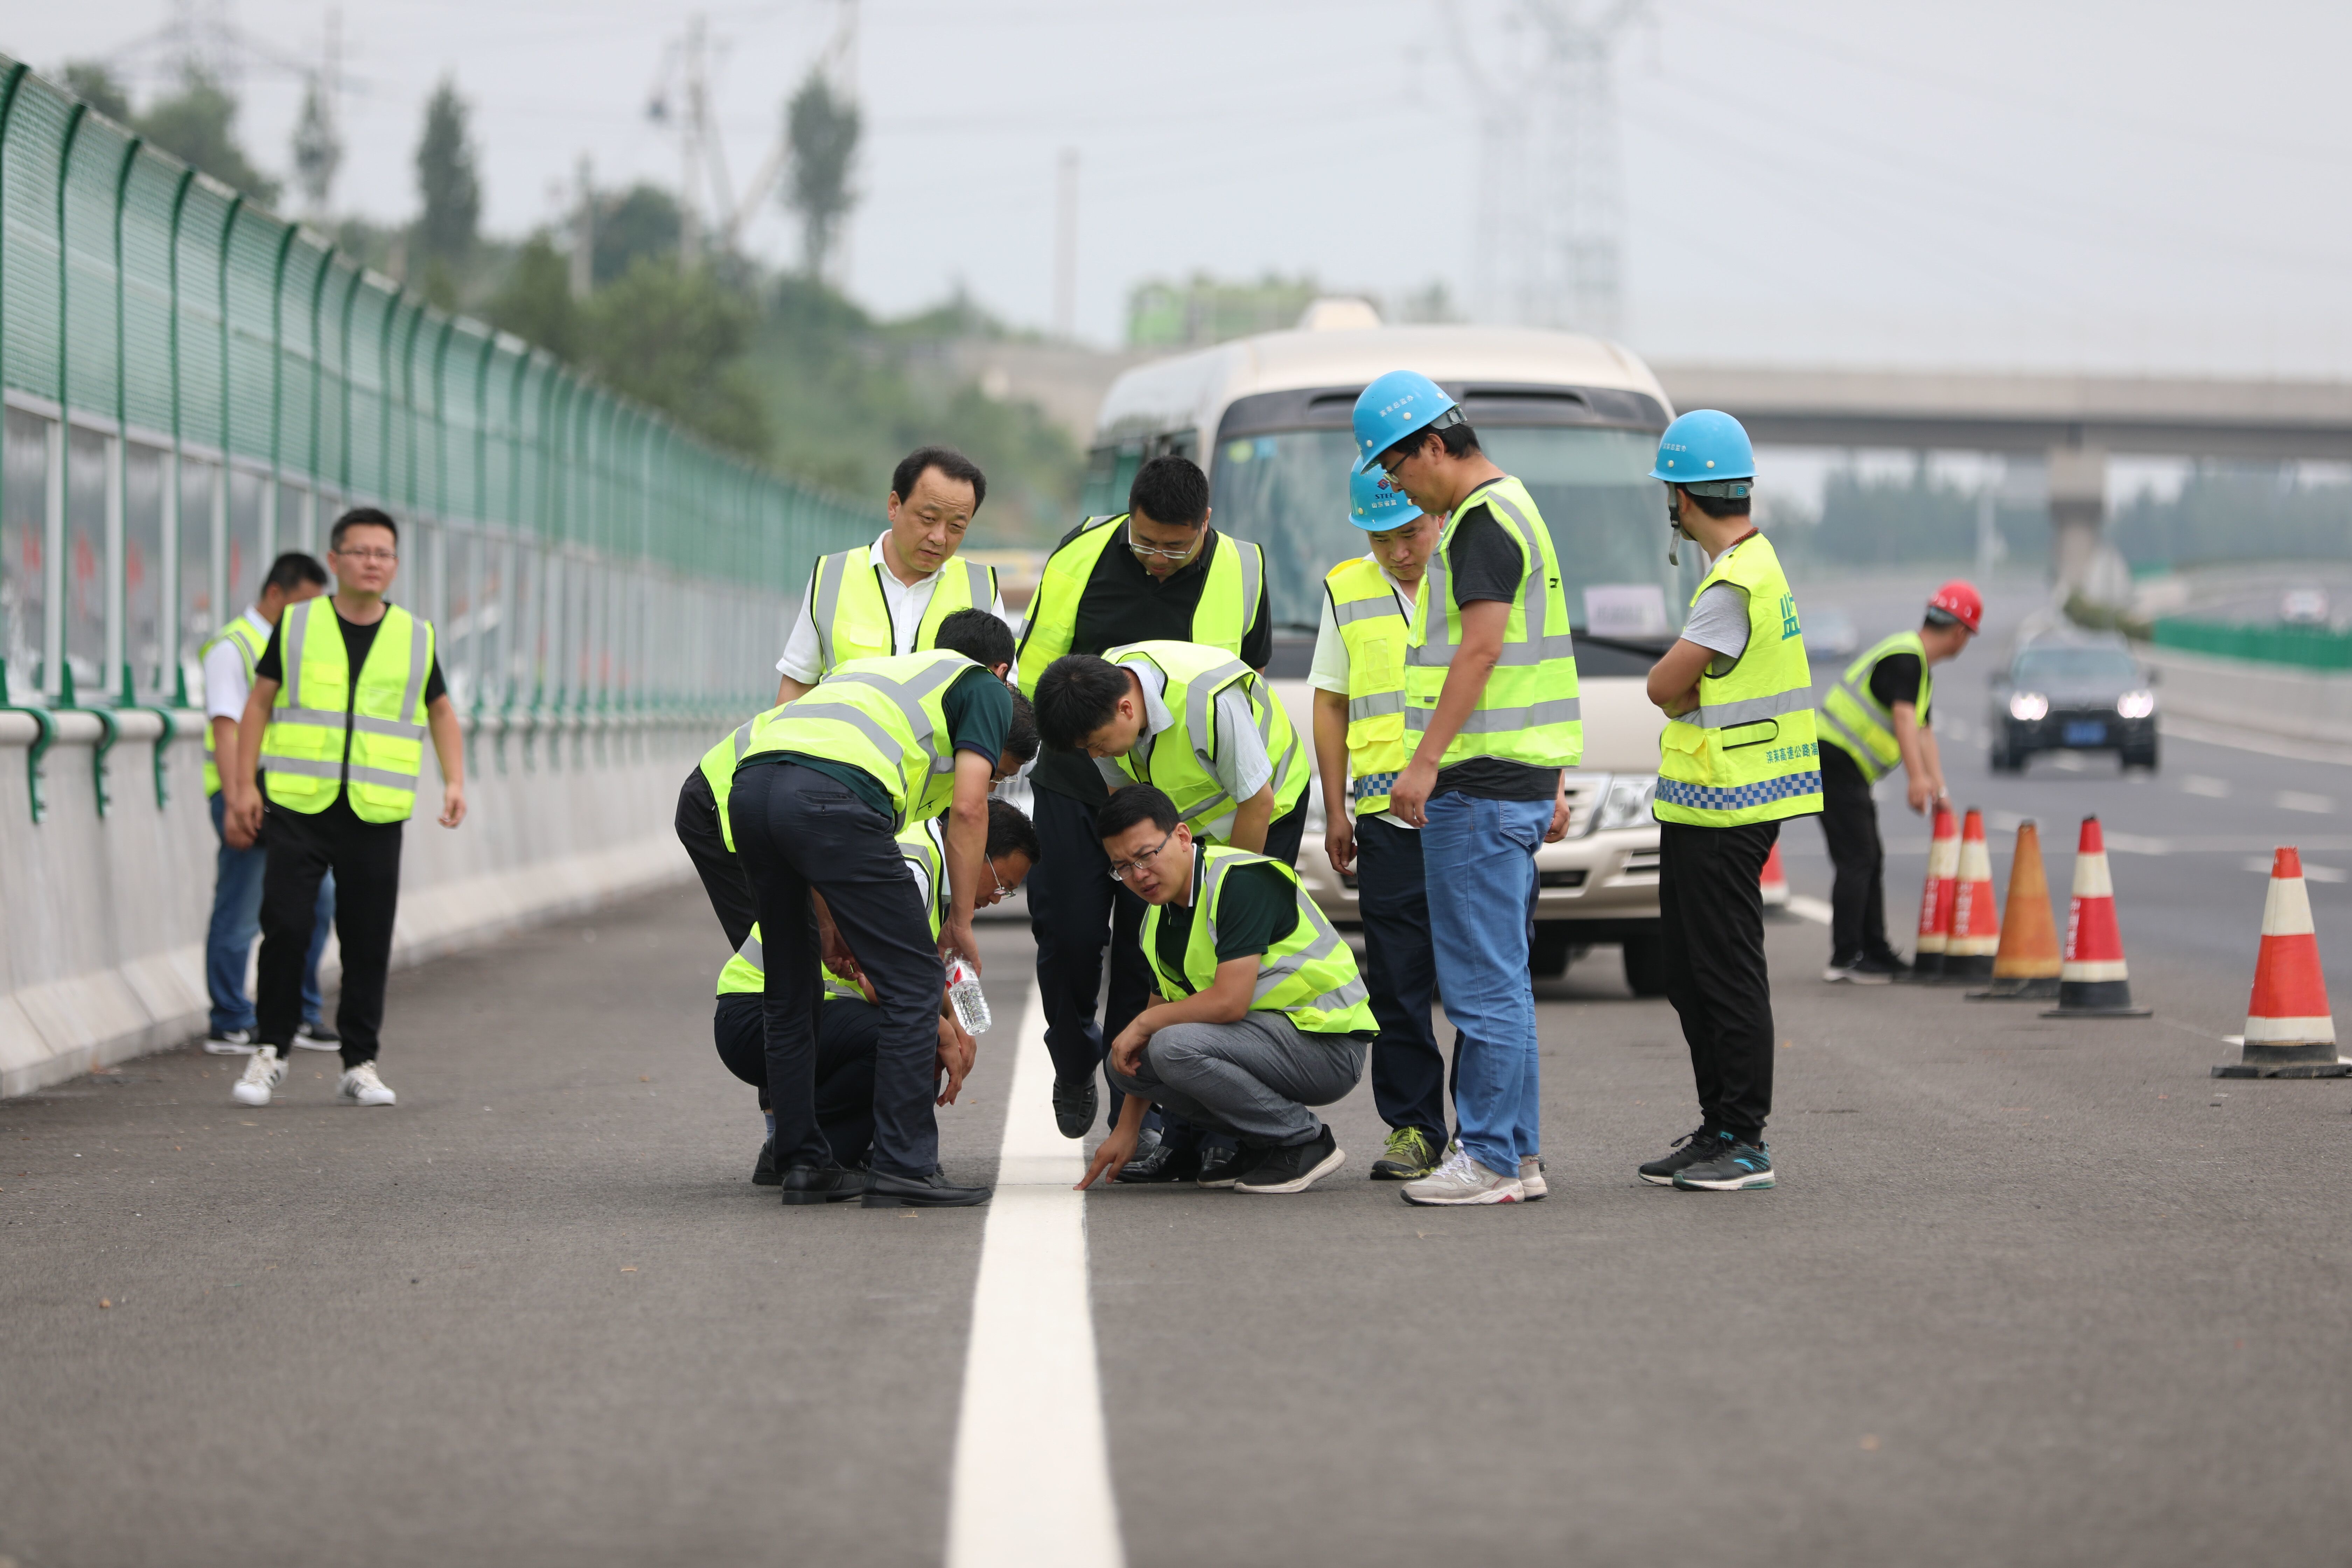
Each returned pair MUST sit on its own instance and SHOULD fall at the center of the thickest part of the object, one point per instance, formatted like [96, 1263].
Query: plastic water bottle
[970, 1002]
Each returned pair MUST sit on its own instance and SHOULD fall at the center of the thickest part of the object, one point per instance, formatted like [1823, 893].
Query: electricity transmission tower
[1550, 188]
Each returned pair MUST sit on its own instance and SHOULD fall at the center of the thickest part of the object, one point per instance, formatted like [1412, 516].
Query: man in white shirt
[1360, 746]
[229, 657]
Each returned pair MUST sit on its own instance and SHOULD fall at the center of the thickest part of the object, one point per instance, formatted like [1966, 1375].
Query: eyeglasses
[367, 554]
[998, 877]
[1122, 869]
[1154, 553]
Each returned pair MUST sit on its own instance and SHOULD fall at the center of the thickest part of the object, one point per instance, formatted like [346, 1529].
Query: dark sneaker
[763, 1169]
[1161, 1163]
[884, 1191]
[1688, 1150]
[1074, 1107]
[317, 1037]
[1738, 1168]
[1875, 971]
[229, 1042]
[1410, 1155]
[1296, 1167]
[1224, 1168]
[822, 1184]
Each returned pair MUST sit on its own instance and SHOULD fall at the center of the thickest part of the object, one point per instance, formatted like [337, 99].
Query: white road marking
[2296, 800]
[1814, 910]
[2258, 741]
[2210, 788]
[2311, 873]
[1032, 1484]
[2072, 761]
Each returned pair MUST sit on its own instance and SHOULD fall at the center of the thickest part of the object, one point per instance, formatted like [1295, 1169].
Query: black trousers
[721, 872]
[1713, 914]
[846, 1034]
[799, 832]
[1400, 971]
[365, 859]
[1849, 824]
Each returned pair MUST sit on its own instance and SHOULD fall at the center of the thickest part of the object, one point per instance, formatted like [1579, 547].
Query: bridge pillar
[2078, 509]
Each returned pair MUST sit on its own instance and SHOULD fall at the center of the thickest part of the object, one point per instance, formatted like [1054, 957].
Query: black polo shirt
[1123, 603]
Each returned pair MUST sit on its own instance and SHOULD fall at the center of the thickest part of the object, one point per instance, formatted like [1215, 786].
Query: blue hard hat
[1393, 407]
[1375, 504]
[1704, 444]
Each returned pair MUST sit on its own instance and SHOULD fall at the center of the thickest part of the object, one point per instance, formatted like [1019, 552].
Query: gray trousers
[1253, 1080]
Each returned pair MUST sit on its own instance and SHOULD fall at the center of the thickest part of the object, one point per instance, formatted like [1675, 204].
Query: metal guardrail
[192, 385]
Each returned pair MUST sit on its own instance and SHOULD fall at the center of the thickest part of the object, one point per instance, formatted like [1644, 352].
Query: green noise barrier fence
[192, 385]
[2308, 647]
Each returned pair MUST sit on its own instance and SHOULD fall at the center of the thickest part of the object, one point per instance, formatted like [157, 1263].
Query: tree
[822, 131]
[94, 83]
[676, 339]
[643, 221]
[446, 181]
[535, 302]
[198, 125]
[317, 150]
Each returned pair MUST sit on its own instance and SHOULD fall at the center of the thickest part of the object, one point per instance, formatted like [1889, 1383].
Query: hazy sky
[2145, 185]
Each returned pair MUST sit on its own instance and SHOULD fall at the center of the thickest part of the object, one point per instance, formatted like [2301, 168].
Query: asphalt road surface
[2031, 1292]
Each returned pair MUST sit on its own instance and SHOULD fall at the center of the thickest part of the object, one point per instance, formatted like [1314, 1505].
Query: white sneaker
[1463, 1180]
[229, 1042]
[1532, 1178]
[263, 1072]
[361, 1087]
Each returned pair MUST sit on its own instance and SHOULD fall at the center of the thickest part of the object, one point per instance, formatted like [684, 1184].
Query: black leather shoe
[1226, 1167]
[822, 1184]
[1161, 1163]
[763, 1169]
[1074, 1107]
[884, 1191]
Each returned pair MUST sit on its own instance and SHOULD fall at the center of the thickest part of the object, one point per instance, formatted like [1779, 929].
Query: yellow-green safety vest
[886, 716]
[249, 645]
[1373, 627]
[1225, 614]
[923, 846]
[852, 619]
[1183, 760]
[1310, 976]
[1747, 752]
[1529, 712]
[1854, 720]
[312, 739]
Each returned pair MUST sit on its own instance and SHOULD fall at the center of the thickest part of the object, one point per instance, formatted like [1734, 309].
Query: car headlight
[2028, 705]
[1627, 804]
[2135, 704]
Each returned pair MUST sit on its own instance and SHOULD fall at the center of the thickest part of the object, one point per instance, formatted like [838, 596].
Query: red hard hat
[1960, 601]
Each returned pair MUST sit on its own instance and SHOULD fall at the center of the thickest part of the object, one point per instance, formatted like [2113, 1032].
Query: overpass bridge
[2072, 421]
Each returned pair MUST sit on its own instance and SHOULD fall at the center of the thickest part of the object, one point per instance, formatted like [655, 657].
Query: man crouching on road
[1260, 1014]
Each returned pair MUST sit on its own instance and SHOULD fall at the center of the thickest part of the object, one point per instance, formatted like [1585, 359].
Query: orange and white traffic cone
[2092, 979]
[1976, 920]
[1774, 882]
[1937, 898]
[2289, 1031]
[2025, 967]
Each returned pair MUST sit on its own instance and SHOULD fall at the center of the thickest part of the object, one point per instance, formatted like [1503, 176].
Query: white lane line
[2311, 873]
[1032, 1486]
[2296, 800]
[1814, 910]
[2210, 788]
[2261, 743]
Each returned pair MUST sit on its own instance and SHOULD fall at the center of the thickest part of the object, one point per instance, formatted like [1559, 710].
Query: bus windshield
[1288, 492]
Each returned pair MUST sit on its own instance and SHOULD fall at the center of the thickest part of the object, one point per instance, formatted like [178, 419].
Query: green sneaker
[1408, 1158]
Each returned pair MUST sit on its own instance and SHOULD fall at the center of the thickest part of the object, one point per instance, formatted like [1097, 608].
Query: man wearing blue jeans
[229, 657]
[1491, 715]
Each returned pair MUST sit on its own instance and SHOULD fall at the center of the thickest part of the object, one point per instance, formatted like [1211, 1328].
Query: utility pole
[1065, 247]
[1550, 202]
[583, 233]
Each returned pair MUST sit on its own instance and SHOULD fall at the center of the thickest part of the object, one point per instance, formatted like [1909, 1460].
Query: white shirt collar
[874, 554]
[253, 618]
[1157, 720]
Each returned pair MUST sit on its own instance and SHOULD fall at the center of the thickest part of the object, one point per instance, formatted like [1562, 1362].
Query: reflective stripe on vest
[1225, 613]
[1310, 976]
[375, 750]
[1529, 712]
[249, 645]
[881, 715]
[1857, 723]
[1373, 628]
[1183, 758]
[924, 848]
[1747, 752]
[852, 616]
